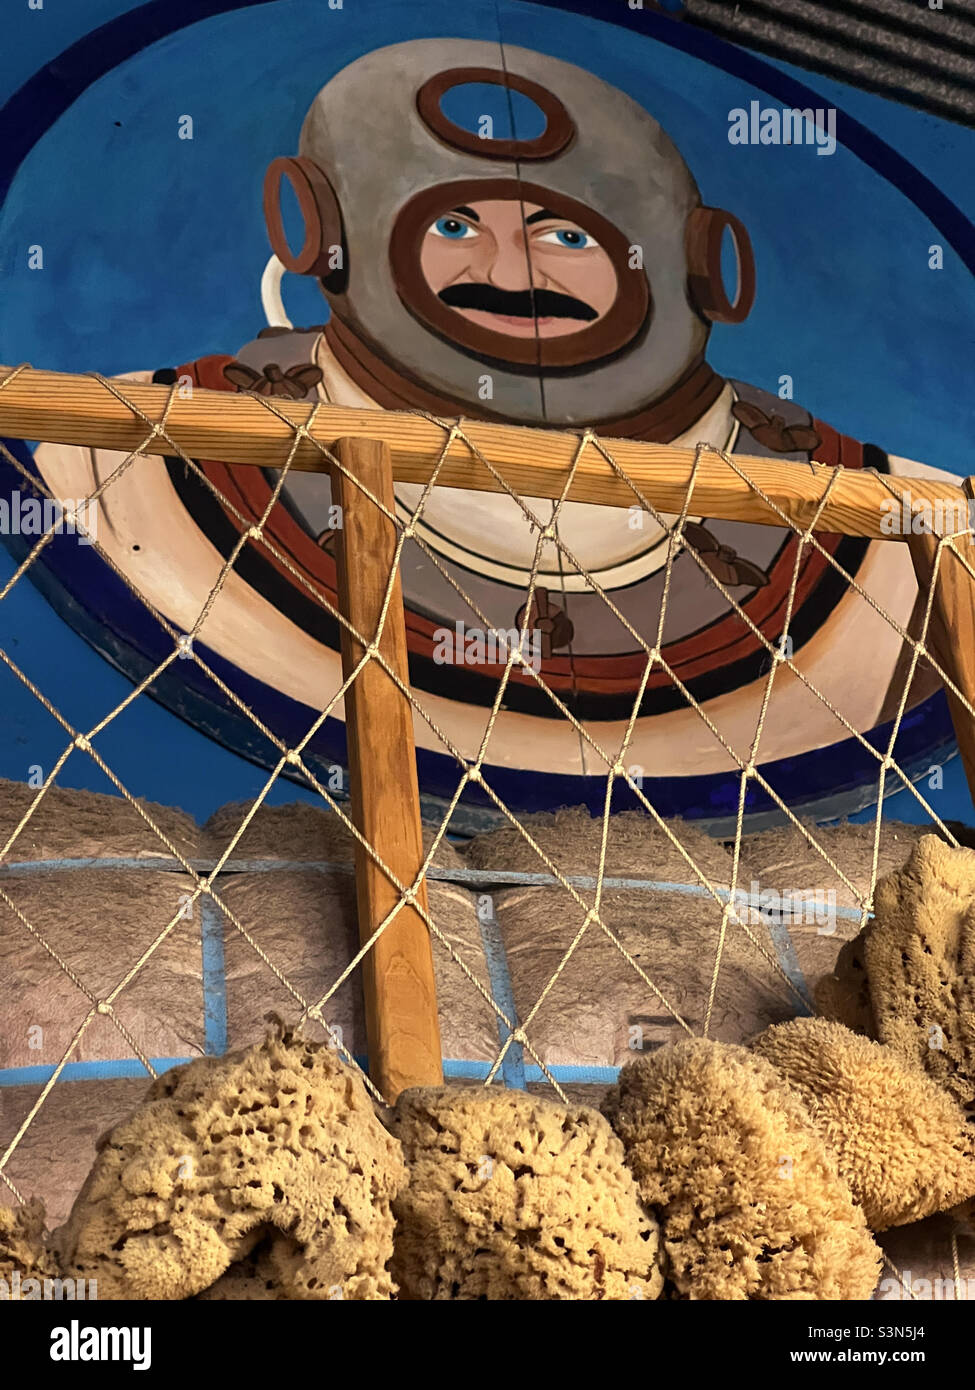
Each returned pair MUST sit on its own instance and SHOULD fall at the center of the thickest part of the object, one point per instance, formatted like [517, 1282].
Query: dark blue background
[154, 247]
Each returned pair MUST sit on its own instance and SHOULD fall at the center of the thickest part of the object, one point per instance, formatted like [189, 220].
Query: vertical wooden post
[402, 1026]
[951, 632]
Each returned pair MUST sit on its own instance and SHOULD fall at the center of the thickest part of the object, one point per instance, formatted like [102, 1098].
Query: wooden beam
[240, 430]
[951, 632]
[402, 1026]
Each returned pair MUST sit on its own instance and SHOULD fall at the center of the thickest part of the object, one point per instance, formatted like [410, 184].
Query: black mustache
[522, 304]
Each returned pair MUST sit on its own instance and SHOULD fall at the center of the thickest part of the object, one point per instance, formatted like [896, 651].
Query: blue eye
[570, 237]
[452, 228]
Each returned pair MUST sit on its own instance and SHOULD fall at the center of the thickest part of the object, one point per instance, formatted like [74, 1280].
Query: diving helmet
[379, 161]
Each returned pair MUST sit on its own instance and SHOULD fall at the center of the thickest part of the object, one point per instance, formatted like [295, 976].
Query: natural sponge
[512, 1196]
[844, 996]
[750, 1202]
[253, 1279]
[23, 1247]
[281, 1137]
[920, 959]
[900, 1141]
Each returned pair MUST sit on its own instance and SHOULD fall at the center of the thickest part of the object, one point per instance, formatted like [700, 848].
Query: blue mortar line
[124, 1068]
[513, 1063]
[513, 1067]
[476, 877]
[160, 864]
[108, 1069]
[214, 978]
[789, 961]
[569, 1075]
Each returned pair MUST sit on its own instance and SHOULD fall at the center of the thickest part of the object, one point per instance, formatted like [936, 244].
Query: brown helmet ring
[593, 343]
[559, 126]
[321, 215]
[702, 241]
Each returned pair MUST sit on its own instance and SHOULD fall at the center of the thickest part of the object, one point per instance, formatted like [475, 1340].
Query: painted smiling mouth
[517, 306]
[518, 320]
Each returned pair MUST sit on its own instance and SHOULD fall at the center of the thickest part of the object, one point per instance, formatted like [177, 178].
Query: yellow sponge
[900, 1140]
[512, 1196]
[750, 1202]
[281, 1137]
[23, 1247]
[920, 959]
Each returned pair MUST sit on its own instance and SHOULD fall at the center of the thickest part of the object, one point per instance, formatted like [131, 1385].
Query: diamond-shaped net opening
[585, 896]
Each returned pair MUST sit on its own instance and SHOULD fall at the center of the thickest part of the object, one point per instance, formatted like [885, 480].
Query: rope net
[585, 896]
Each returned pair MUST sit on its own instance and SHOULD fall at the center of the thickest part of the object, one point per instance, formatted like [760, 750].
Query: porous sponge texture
[512, 1196]
[920, 959]
[900, 1140]
[250, 1280]
[281, 1137]
[23, 1245]
[844, 996]
[750, 1202]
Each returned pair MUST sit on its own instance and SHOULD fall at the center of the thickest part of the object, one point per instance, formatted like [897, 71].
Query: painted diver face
[518, 268]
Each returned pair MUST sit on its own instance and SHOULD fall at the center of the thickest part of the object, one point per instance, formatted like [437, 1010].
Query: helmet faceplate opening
[596, 342]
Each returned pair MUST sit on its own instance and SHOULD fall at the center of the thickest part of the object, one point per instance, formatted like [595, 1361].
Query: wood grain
[402, 1025]
[241, 430]
[951, 631]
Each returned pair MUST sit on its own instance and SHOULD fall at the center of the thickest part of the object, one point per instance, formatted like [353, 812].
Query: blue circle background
[154, 246]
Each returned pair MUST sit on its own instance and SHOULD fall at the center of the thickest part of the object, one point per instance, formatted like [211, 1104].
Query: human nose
[508, 268]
